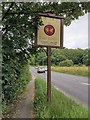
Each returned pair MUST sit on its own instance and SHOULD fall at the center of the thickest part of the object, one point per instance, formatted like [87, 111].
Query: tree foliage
[67, 63]
[77, 56]
[86, 57]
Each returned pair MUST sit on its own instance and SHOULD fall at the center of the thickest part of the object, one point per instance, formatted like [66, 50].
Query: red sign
[49, 30]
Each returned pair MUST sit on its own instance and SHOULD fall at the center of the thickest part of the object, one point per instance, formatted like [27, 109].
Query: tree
[67, 63]
[32, 60]
[57, 56]
[76, 55]
[41, 58]
[86, 57]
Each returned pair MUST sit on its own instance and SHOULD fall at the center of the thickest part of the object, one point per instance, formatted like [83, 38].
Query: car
[45, 68]
[41, 70]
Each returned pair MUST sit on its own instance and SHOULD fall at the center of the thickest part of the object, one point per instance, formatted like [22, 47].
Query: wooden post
[49, 74]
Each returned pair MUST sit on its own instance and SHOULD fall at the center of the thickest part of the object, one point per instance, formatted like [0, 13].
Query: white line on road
[85, 83]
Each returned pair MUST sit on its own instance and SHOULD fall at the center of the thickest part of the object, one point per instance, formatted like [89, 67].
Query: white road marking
[86, 83]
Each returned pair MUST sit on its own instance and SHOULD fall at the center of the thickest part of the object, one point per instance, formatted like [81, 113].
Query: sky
[76, 34]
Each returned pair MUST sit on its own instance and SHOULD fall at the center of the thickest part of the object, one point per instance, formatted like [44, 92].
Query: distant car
[41, 70]
[45, 68]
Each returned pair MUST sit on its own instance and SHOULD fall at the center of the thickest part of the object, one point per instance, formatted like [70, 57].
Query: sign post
[49, 74]
[49, 35]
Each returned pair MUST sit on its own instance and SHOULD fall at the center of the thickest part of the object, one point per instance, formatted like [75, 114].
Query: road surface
[73, 86]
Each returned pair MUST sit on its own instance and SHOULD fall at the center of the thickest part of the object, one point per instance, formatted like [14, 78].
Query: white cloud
[76, 35]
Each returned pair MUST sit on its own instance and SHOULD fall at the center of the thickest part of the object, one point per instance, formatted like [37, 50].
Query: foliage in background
[59, 56]
[40, 58]
[76, 55]
[67, 63]
[86, 57]
[61, 106]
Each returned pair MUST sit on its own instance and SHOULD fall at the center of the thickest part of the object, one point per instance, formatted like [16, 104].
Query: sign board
[51, 32]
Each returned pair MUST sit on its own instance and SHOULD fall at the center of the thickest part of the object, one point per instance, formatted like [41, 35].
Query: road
[73, 86]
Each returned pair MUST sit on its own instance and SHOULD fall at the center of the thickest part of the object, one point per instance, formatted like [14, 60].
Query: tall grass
[82, 71]
[61, 106]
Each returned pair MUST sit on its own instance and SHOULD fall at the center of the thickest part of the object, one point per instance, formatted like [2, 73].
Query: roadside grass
[82, 71]
[60, 107]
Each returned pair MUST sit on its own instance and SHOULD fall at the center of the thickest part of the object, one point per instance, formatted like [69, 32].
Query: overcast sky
[76, 35]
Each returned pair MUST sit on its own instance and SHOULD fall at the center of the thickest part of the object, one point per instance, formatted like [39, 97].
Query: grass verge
[61, 106]
[82, 71]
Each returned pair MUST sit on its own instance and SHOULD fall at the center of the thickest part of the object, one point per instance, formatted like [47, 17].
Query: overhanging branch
[7, 11]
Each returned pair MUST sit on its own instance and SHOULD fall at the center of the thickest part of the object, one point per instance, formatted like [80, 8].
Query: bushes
[66, 63]
[13, 84]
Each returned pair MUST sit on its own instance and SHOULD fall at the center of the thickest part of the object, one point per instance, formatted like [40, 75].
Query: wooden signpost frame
[49, 51]
[61, 31]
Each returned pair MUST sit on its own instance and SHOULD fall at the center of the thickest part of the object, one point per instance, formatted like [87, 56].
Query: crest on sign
[51, 32]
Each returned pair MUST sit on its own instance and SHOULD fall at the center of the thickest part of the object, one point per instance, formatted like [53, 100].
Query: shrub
[13, 88]
[66, 63]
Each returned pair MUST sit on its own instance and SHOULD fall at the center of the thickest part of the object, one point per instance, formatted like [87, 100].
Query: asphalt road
[73, 86]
